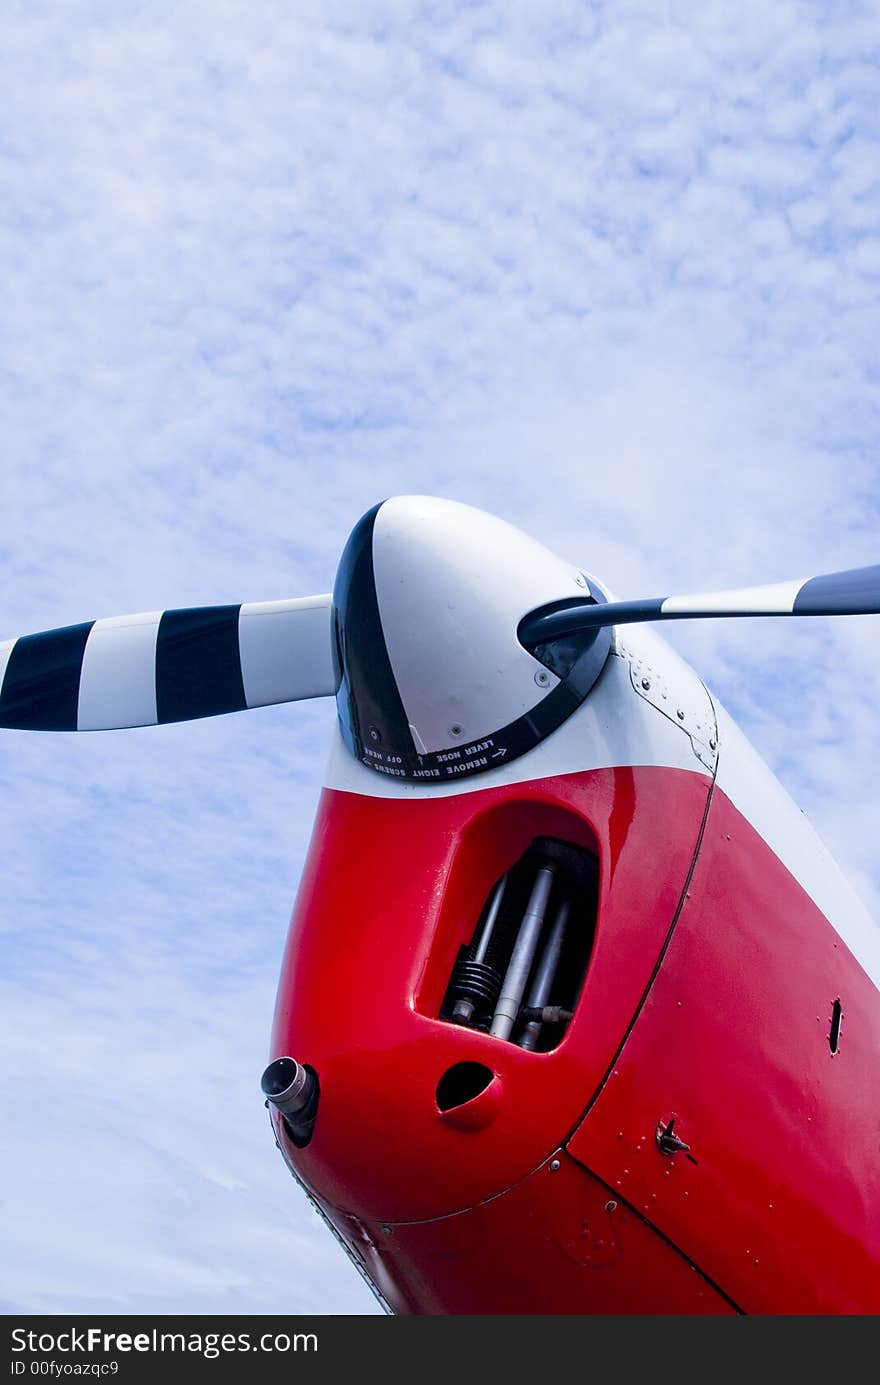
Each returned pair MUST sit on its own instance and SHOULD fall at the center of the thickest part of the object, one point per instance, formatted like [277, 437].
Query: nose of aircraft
[437, 1086]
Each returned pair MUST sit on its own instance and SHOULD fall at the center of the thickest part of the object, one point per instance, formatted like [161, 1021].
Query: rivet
[387, 1230]
[374, 734]
[542, 678]
[646, 683]
[455, 729]
[554, 1165]
[680, 714]
[712, 743]
[611, 1205]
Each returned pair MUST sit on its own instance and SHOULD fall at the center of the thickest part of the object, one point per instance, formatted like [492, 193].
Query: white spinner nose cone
[452, 584]
[433, 681]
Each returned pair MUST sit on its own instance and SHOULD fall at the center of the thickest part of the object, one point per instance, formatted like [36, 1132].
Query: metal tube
[542, 985]
[464, 1009]
[523, 955]
[288, 1086]
[486, 935]
[293, 1090]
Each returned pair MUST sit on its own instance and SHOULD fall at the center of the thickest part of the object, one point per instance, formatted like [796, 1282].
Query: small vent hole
[834, 1036]
[462, 1083]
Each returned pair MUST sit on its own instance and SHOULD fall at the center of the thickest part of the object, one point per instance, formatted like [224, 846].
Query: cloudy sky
[608, 270]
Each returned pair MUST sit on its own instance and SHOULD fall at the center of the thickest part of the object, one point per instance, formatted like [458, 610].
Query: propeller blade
[851, 593]
[164, 666]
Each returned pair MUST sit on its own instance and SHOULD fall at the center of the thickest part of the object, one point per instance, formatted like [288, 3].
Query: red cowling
[708, 998]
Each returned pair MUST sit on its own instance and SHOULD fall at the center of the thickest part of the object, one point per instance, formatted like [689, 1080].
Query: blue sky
[609, 271]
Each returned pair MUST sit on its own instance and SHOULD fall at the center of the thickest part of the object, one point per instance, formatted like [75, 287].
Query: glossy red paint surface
[781, 1207]
[392, 888]
[559, 1242]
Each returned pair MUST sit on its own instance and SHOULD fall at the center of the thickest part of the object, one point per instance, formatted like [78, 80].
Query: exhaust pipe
[292, 1088]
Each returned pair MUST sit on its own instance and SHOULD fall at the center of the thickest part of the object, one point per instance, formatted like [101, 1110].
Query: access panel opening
[520, 975]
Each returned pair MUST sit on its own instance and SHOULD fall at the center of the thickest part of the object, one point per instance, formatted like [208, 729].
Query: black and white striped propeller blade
[855, 592]
[164, 666]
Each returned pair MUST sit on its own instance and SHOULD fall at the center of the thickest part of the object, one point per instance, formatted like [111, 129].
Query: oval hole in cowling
[461, 1083]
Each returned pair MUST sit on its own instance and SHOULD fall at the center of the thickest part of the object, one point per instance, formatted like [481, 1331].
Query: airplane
[577, 1014]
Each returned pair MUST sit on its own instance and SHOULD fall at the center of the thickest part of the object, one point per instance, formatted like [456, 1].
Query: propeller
[163, 666]
[854, 592]
[452, 642]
